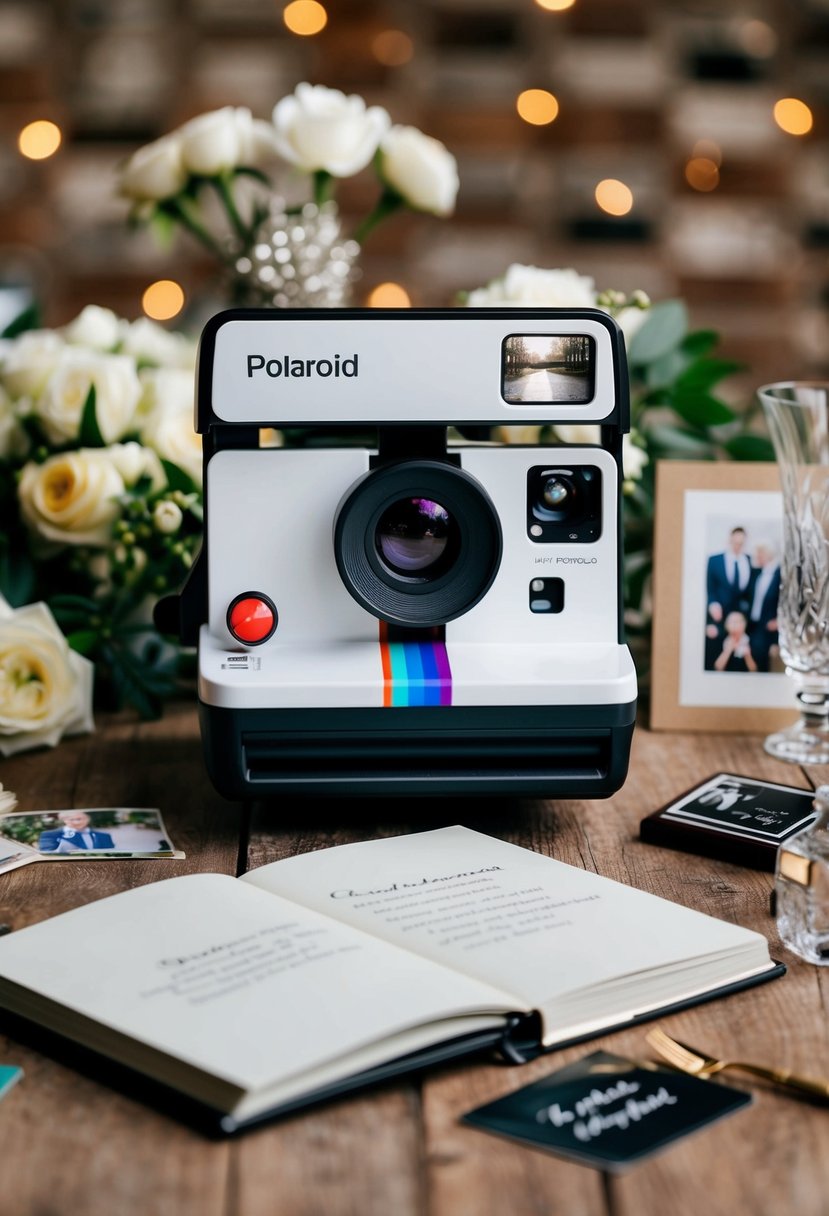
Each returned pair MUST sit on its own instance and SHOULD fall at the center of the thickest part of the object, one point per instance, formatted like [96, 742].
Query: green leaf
[675, 440]
[83, 640]
[129, 685]
[90, 433]
[17, 574]
[700, 342]
[163, 227]
[749, 447]
[177, 479]
[703, 374]
[29, 318]
[663, 329]
[700, 409]
[666, 369]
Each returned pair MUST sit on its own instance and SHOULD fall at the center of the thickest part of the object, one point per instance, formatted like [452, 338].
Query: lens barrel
[417, 543]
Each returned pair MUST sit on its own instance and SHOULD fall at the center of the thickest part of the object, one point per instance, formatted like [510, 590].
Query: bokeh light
[537, 106]
[39, 140]
[707, 149]
[758, 38]
[702, 174]
[793, 116]
[305, 17]
[163, 300]
[389, 295]
[555, 6]
[392, 48]
[614, 196]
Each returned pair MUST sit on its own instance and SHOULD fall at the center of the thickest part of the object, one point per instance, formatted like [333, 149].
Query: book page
[503, 914]
[246, 986]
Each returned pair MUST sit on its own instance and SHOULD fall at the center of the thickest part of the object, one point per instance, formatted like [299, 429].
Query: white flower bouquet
[320, 135]
[100, 512]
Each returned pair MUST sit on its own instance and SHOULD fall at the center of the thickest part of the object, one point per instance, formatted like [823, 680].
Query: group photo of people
[742, 590]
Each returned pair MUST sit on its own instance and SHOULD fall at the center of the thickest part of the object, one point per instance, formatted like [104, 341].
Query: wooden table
[72, 1145]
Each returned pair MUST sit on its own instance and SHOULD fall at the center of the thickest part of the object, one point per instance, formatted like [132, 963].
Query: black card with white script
[606, 1111]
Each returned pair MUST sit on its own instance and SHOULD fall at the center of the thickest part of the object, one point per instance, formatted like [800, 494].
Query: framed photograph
[717, 547]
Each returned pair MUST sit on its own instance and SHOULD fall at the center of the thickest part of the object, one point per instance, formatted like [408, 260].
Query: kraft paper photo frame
[717, 546]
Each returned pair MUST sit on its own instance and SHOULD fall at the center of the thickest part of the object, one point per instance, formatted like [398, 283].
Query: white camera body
[380, 611]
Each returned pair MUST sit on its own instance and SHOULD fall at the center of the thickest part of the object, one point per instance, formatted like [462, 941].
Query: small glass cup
[797, 414]
[801, 887]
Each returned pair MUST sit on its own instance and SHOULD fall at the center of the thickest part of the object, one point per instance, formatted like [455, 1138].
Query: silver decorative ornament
[300, 260]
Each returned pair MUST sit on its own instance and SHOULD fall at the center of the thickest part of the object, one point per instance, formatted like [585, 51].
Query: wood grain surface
[72, 1144]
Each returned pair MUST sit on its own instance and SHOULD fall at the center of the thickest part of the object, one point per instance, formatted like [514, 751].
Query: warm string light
[702, 174]
[305, 17]
[537, 106]
[163, 300]
[388, 295]
[707, 149]
[392, 48]
[793, 116]
[39, 140]
[614, 196]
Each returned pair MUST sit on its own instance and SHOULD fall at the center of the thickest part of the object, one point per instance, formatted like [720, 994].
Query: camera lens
[417, 542]
[557, 492]
[413, 534]
[556, 495]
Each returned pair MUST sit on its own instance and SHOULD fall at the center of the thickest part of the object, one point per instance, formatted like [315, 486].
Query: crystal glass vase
[300, 259]
[797, 414]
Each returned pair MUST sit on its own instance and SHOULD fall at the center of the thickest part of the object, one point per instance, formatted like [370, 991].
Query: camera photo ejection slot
[547, 595]
[252, 618]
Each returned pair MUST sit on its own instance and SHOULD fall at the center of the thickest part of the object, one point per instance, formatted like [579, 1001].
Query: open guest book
[322, 972]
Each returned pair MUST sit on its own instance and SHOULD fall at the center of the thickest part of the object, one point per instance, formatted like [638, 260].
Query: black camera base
[572, 751]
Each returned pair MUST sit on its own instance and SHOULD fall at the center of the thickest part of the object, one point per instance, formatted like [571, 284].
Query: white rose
[14, 442]
[634, 459]
[155, 171]
[134, 462]
[212, 143]
[167, 425]
[148, 342]
[29, 360]
[171, 434]
[630, 319]
[72, 498]
[45, 688]
[98, 328]
[167, 517]
[422, 171]
[8, 800]
[577, 433]
[117, 390]
[533, 285]
[319, 128]
[257, 139]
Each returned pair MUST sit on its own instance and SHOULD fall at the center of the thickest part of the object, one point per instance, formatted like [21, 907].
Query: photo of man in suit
[75, 834]
[729, 576]
[728, 581]
[764, 591]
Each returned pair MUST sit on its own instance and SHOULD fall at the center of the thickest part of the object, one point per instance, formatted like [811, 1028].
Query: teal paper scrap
[9, 1076]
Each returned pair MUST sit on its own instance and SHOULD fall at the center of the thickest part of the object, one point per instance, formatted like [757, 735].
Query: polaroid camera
[394, 609]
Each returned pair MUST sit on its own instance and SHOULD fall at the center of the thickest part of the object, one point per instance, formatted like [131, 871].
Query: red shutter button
[252, 618]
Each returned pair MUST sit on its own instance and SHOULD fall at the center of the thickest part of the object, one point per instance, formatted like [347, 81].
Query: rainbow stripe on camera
[414, 673]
